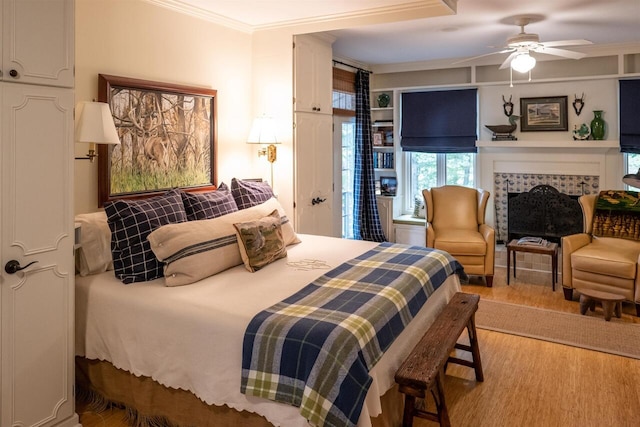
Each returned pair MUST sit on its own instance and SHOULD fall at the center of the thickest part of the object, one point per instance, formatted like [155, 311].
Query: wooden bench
[423, 370]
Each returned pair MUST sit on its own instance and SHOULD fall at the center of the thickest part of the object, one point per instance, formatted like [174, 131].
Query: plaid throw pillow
[130, 223]
[209, 205]
[250, 193]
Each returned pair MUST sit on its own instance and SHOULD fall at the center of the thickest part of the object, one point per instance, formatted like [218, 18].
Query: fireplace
[506, 183]
[543, 212]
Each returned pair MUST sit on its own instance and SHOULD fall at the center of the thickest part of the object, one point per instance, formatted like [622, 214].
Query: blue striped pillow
[250, 193]
[209, 205]
[131, 221]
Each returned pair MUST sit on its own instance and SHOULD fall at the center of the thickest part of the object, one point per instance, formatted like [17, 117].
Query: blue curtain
[366, 224]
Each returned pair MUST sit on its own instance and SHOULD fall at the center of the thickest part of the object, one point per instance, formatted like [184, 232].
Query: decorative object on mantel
[578, 103]
[383, 100]
[507, 106]
[598, 126]
[581, 133]
[503, 132]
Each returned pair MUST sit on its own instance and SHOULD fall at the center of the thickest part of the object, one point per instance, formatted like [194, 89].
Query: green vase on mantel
[598, 126]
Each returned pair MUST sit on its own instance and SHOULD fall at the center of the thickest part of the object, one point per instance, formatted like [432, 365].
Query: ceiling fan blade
[507, 61]
[577, 42]
[560, 52]
[482, 56]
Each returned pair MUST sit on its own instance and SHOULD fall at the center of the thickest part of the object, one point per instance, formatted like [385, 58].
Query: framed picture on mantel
[544, 114]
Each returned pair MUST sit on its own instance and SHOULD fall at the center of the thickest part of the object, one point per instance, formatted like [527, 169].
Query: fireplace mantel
[601, 159]
[565, 145]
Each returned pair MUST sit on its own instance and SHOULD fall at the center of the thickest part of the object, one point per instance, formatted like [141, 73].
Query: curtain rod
[335, 61]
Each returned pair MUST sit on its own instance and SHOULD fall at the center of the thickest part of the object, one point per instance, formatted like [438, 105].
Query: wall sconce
[95, 126]
[263, 131]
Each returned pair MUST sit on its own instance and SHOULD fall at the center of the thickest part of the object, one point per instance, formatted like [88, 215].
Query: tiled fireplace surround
[519, 166]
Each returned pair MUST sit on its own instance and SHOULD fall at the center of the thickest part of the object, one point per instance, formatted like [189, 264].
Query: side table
[549, 249]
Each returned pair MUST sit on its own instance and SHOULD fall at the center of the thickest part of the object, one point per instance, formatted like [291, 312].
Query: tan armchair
[605, 264]
[455, 224]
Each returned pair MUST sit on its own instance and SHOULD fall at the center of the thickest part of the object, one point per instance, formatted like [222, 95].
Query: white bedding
[190, 337]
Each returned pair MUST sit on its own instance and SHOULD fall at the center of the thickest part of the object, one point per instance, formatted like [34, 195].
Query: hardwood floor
[527, 382]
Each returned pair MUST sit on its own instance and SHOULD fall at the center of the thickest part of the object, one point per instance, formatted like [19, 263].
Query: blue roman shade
[630, 116]
[440, 121]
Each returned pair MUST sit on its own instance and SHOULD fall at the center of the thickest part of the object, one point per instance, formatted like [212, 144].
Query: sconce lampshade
[632, 179]
[263, 131]
[523, 62]
[95, 124]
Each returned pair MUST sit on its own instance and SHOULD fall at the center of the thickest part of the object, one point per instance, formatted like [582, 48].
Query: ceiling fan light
[523, 63]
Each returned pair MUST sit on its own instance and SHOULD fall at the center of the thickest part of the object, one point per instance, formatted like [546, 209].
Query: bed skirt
[149, 403]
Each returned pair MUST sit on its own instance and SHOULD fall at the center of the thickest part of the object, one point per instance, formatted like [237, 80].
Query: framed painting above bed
[167, 138]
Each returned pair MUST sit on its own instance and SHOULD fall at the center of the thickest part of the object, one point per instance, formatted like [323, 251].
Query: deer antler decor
[578, 103]
[507, 106]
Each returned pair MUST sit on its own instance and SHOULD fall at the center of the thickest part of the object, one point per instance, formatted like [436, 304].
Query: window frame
[625, 166]
[441, 177]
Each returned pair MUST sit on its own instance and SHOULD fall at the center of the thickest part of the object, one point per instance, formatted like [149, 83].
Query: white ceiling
[478, 27]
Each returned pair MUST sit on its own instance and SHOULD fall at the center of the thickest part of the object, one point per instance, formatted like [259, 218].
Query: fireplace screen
[543, 212]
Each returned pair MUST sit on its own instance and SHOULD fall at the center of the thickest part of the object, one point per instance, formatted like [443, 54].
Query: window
[438, 136]
[425, 170]
[630, 126]
[632, 161]
[344, 111]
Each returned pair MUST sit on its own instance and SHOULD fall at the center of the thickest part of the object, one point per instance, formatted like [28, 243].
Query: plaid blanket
[314, 350]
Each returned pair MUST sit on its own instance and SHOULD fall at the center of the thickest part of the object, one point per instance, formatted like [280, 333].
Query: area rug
[591, 333]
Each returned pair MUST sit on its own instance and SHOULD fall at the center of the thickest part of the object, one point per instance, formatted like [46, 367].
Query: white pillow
[194, 250]
[94, 254]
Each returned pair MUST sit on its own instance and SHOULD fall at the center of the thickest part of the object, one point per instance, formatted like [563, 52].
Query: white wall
[600, 94]
[137, 39]
[252, 73]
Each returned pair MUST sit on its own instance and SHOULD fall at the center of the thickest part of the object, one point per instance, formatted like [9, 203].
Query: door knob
[13, 73]
[13, 266]
[317, 201]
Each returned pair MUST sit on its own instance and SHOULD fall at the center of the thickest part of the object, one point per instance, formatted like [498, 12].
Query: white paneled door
[314, 174]
[37, 276]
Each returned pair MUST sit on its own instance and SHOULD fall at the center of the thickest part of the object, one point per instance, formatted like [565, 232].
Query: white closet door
[37, 316]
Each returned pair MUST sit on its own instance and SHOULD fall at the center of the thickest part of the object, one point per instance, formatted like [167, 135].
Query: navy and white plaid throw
[314, 350]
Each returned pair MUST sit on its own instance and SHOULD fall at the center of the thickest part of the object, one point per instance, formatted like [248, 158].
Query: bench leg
[475, 350]
[409, 406]
[443, 414]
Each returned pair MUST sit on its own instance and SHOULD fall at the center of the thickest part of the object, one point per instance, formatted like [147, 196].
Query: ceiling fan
[521, 45]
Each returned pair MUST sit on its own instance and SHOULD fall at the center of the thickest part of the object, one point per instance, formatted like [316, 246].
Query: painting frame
[205, 136]
[544, 114]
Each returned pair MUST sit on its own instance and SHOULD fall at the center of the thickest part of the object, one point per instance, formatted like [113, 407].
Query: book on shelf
[532, 241]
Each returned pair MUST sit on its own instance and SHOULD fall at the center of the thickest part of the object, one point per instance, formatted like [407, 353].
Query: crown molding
[196, 12]
[409, 10]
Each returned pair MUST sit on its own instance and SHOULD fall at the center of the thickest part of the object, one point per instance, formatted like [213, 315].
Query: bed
[173, 354]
